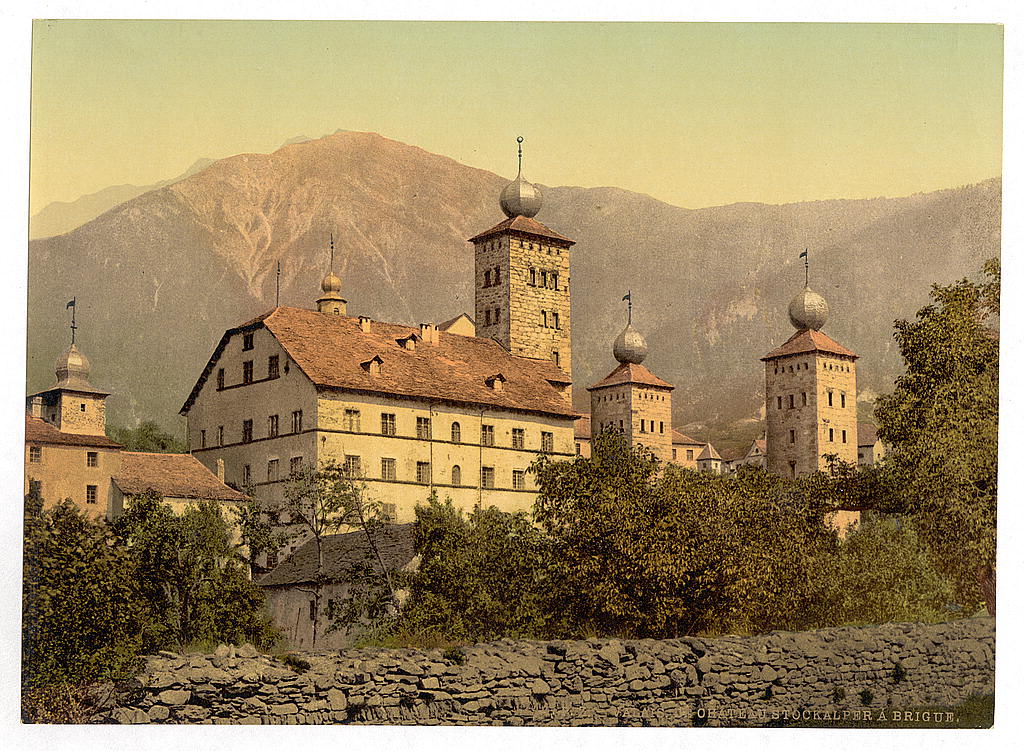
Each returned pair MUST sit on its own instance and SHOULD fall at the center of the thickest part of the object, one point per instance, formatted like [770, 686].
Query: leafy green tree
[941, 422]
[187, 568]
[481, 577]
[83, 612]
[148, 437]
[321, 501]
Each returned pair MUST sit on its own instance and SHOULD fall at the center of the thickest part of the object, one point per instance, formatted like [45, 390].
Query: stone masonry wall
[866, 673]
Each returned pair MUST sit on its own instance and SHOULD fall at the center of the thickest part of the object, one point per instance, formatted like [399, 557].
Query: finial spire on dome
[73, 304]
[630, 346]
[331, 301]
[520, 198]
[808, 310]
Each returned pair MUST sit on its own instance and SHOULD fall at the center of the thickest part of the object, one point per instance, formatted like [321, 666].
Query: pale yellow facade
[79, 473]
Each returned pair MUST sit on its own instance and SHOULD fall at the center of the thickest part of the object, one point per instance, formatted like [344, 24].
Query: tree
[321, 501]
[941, 422]
[482, 576]
[190, 576]
[148, 437]
[83, 612]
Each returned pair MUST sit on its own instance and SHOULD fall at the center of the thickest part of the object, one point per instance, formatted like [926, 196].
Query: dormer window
[373, 365]
[496, 381]
[408, 342]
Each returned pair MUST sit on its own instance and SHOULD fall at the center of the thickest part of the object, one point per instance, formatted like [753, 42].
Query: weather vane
[74, 306]
[628, 297]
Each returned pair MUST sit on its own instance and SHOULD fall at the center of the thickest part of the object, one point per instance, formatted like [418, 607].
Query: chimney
[220, 470]
[364, 324]
[428, 333]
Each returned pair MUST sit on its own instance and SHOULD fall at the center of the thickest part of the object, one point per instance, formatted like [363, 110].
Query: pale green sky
[693, 114]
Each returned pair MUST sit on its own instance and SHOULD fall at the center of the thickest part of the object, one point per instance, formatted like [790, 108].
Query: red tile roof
[683, 439]
[524, 225]
[867, 434]
[330, 348]
[38, 430]
[172, 476]
[709, 453]
[809, 340]
[629, 372]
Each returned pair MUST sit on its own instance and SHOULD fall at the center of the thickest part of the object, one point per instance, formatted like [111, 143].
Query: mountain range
[159, 276]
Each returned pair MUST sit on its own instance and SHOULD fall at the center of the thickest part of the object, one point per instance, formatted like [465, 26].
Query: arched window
[456, 433]
[456, 475]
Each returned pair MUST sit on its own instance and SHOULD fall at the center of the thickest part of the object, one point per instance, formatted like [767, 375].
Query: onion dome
[331, 283]
[520, 198]
[72, 368]
[808, 310]
[630, 346]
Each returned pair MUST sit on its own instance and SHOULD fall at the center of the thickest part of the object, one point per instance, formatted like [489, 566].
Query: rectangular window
[487, 317]
[387, 423]
[351, 420]
[246, 474]
[90, 494]
[202, 439]
[518, 438]
[273, 425]
[35, 487]
[554, 280]
[547, 441]
[779, 398]
[831, 434]
[543, 279]
[486, 435]
[247, 371]
[792, 436]
[487, 477]
[497, 315]
[487, 278]
[389, 512]
[844, 436]
[830, 398]
[661, 427]
[689, 455]
[556, 358]
[353, 465]
[388, 469]
[544, 318]
[92, 459]
[842, 400]
[518, 479]
[273, 366]
[423, 428]
[246, 342]
[497, 275]
[423, 472]
[297, 421]
[533, 277]
[295, 464]
[35, 454]
[791, 402]
[220, 435]
[555, 314]
[803, 396]
[578, 452]
[246, 431]
[312, 610]
[271, 560]
[273, 473]
[643, 426]
[220, 378]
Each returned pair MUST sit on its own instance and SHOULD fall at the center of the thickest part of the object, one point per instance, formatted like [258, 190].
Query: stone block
[337, 699]
[284, 709]
[173, 697]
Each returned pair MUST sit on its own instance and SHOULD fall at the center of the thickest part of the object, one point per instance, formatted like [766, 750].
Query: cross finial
[519, 140]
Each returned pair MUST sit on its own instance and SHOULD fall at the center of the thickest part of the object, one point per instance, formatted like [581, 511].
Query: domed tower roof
[519, 197]
[808, 310]
[331, 283]
[72, 369]
[630, 346]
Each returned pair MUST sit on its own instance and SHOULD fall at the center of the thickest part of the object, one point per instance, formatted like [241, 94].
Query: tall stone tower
[811, 394]
[522, 279]
[633, 400]
[72, 405]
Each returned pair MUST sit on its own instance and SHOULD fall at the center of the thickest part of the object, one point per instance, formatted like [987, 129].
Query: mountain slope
[160, 277]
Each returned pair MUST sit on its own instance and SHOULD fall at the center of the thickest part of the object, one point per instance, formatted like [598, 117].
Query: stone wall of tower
[489, 297]
[76, 412]
[643, 413]
[799, 416]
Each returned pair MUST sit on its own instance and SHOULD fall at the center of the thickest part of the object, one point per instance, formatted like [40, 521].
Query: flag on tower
[71, 303]
[804, 254]
[628, 296]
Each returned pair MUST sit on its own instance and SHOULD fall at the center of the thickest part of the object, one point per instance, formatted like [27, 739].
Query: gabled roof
[526, 226]
[683, 439]
[172, 476]
[461, 324]
[346, 556]
[809, 340]
[709, 453]
[629, 372]
[38, 430]
[329, 350]
[867, 435]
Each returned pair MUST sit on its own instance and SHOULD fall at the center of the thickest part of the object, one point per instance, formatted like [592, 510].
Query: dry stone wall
[829, 674]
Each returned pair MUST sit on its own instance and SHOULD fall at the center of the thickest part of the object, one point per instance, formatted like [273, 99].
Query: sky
[694, 114]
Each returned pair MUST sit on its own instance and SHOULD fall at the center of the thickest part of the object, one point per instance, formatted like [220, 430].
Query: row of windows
[543, 278]
[650, 396]
[646, 426]
[803, 400]
[831, 435]
[273, 469]
[492, 277]
[388, 426]
[492, 316]
[273, 371]
[273, 427]
[825, 365]
[525, 245]
[35, 455]
[35, 487]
